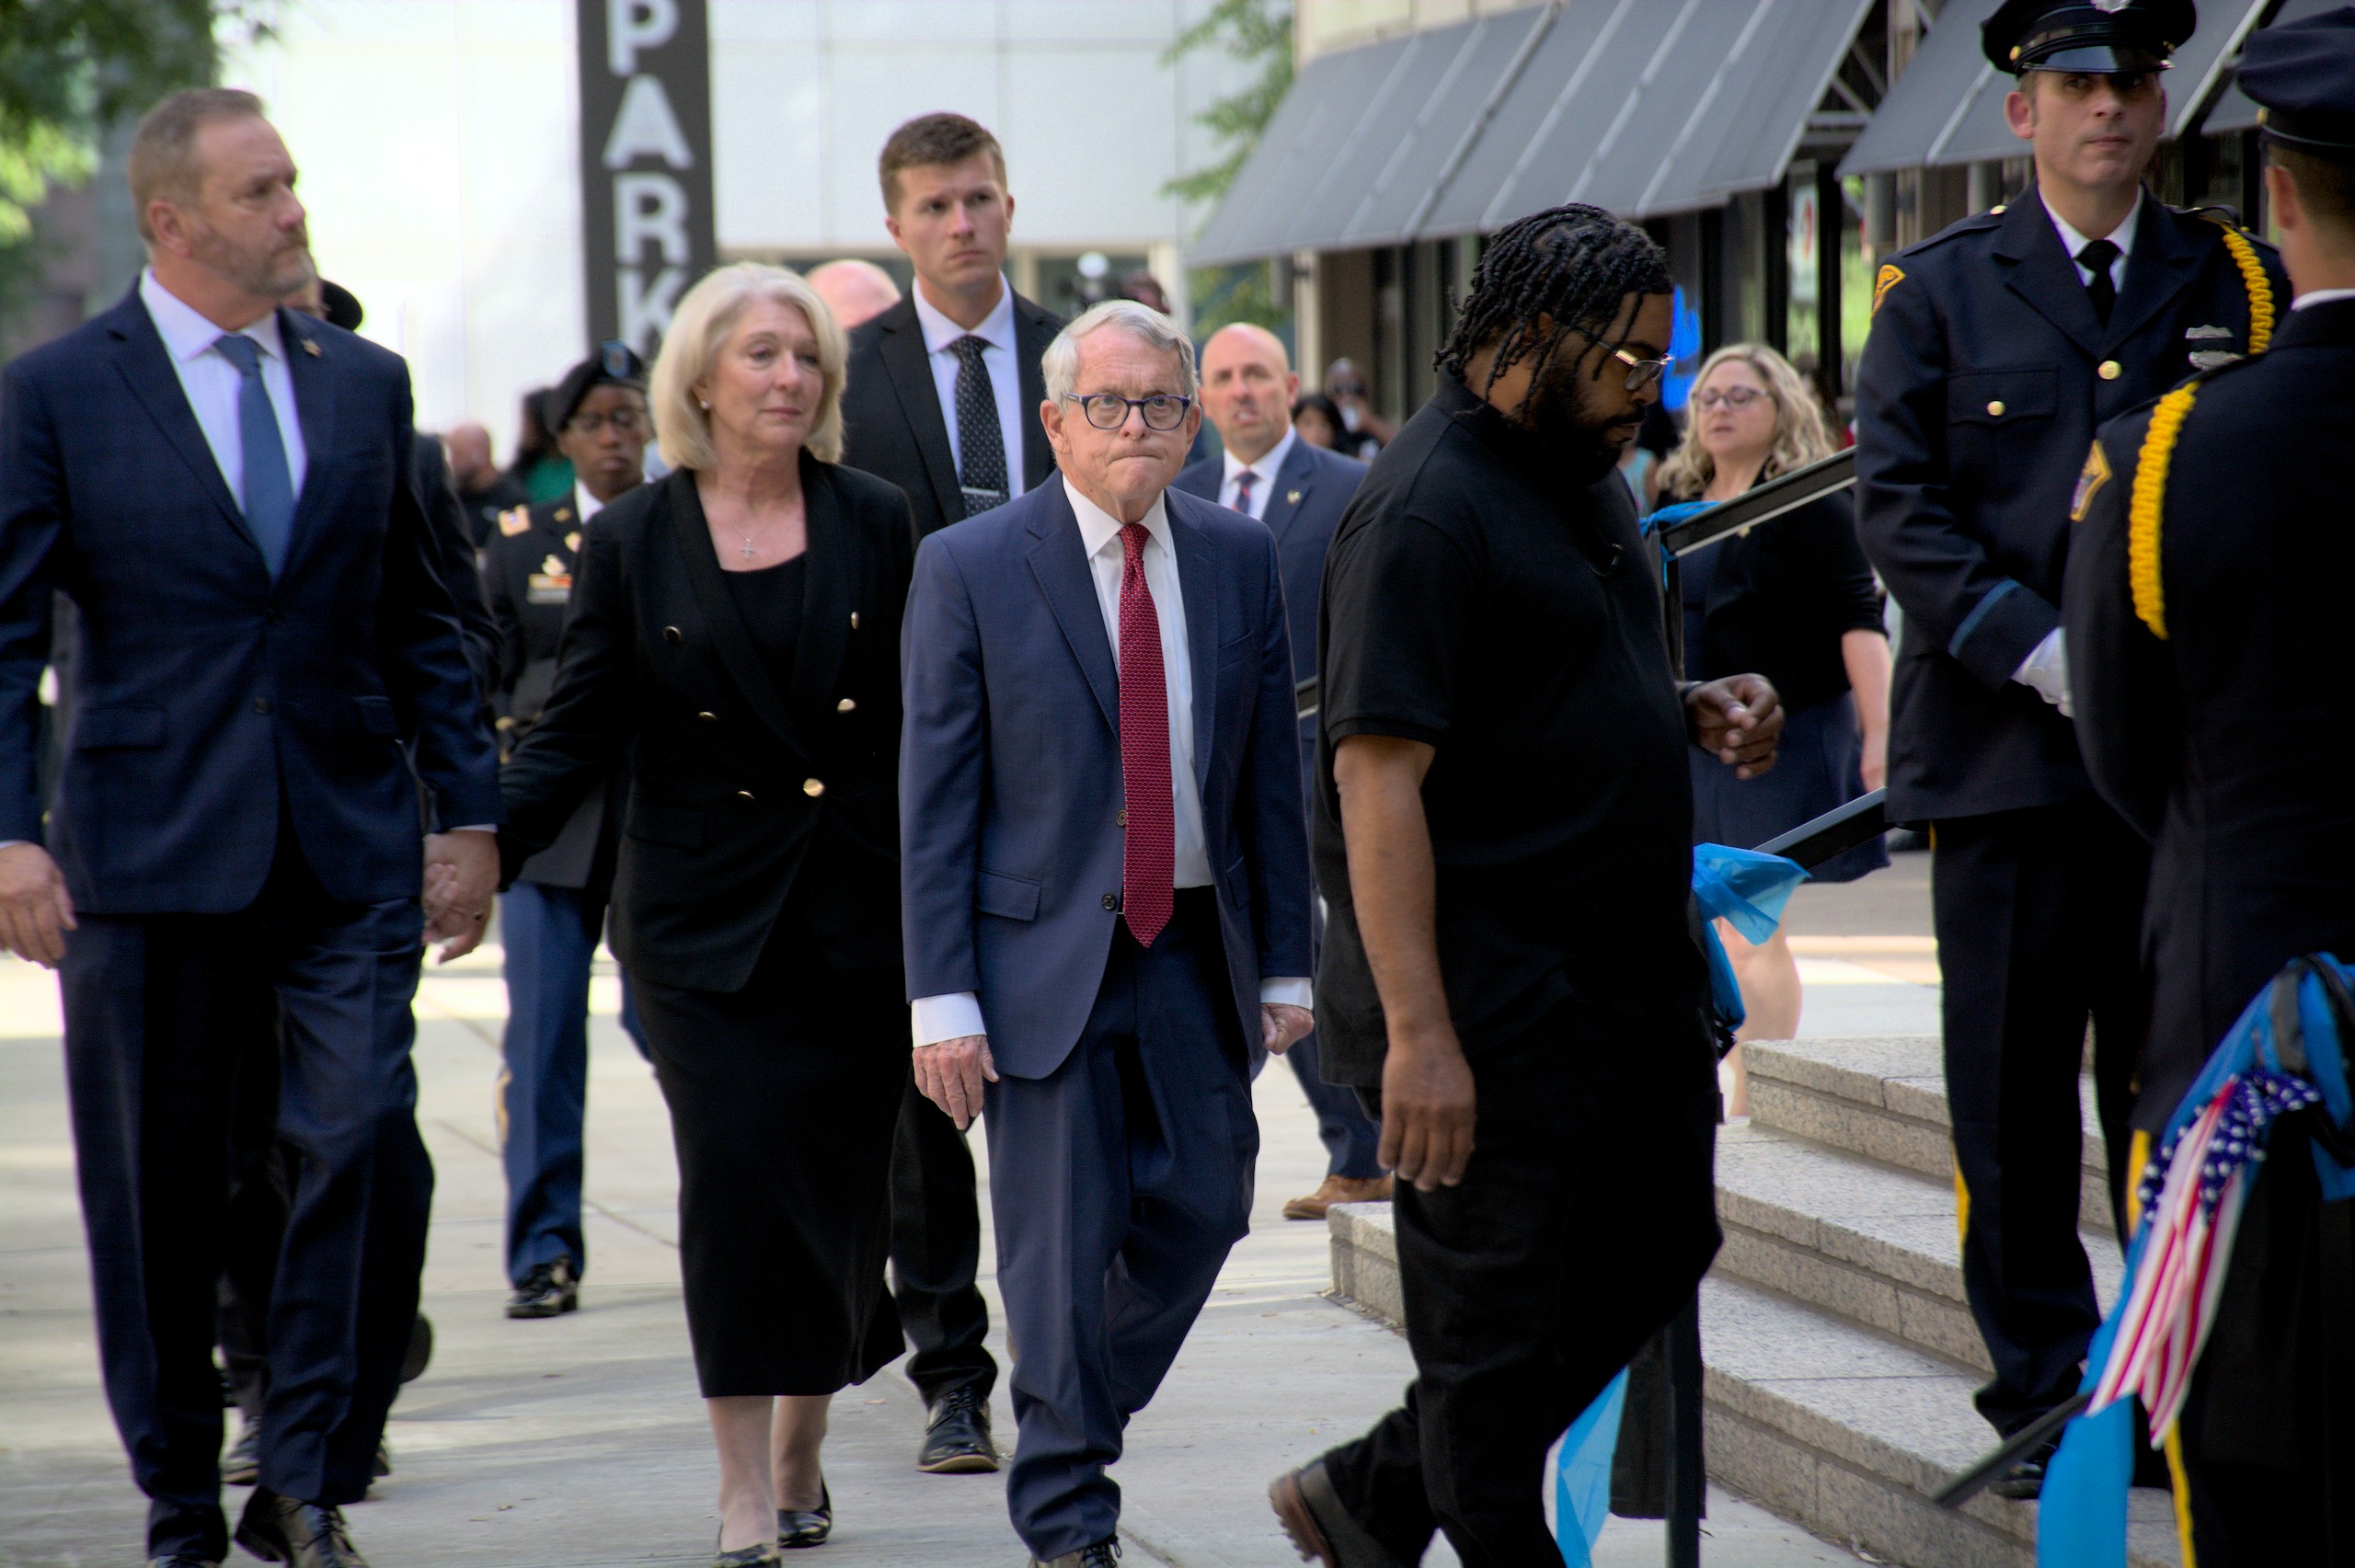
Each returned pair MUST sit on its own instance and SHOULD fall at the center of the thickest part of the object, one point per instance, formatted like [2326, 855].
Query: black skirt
[783, 1100]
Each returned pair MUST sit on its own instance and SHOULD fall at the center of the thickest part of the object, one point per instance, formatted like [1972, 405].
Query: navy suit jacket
[1010, 767]
[1311, 492]
[210, 699]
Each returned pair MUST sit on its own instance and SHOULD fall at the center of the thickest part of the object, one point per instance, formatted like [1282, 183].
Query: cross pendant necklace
[748, 550]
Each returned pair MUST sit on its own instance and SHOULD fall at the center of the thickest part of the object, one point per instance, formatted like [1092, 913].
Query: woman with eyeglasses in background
[1793, 600]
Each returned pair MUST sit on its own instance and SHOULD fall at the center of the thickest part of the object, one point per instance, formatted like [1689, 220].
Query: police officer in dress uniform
[550, 918]
[2206, 603]
[1997, 347]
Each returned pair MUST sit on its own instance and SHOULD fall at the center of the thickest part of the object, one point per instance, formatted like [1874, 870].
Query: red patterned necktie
[1150, 858]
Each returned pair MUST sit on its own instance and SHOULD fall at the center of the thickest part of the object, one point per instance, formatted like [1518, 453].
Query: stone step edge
[1758, 1439]
[1893, 1120]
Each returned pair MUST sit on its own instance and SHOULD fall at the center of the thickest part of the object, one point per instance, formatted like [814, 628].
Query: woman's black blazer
[1781, 596]
[742, 796]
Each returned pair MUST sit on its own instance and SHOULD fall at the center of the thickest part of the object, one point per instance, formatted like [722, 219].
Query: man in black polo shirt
[1502, 834]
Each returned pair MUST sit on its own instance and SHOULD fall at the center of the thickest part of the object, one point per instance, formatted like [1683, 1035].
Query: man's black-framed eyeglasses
[1109, 411]
[1641, 373]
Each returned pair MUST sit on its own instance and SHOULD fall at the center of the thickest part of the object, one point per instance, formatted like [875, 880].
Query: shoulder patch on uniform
[515, 521]
[2095, 475]
[1888, 278]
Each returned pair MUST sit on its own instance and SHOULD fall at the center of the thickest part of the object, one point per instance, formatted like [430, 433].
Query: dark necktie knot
[969, 348]
[2098, 258]
[241, 351]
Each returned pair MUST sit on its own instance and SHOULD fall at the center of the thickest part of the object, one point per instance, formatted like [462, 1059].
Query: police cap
[2301, 75]
[2104, 38]
[614, 364]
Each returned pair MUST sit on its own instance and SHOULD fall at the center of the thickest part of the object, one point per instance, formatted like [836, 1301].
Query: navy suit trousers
[544, 1071]
[1119, 1182]
[158, 1011]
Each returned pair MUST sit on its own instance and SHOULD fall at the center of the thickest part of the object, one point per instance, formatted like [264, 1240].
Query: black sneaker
[958, 1440]
[550, 1290]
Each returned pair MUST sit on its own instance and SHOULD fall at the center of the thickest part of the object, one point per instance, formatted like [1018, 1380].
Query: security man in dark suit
[1997, 346]
[943, 400]
[1299, 490]
[552, 915]
[2206, 588]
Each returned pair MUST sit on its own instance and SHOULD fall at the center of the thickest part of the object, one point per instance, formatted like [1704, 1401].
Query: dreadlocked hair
[1567, 269]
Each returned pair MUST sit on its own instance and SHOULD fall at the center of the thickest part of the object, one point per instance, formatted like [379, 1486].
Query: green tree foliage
[69, 68]
[1257, 32]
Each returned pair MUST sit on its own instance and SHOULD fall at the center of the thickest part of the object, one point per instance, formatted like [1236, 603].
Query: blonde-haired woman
[1794, 600]
[735, 636]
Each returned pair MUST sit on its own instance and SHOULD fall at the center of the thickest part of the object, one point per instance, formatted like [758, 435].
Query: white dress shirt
[949, 1017]
[2321, 296]
[2045, 670]
[940, 335]
[2121, 236]
[1263, 477]
[587, 505]
[210, 382]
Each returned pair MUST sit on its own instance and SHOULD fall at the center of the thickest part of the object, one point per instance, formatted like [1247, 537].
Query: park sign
[645, 163]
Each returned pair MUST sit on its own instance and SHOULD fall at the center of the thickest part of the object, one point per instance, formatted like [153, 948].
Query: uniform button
[1997, 408]
[2109, 370]
[813, 788]
[671, 634]
[709, 718]
[1997, 209]
[1111, 901]
[1121, 819]
[743, 794]
[261, 705]
[853, 619]
[846, 705]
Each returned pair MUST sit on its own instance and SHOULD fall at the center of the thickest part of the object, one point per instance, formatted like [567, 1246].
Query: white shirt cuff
[478, 827]
[2045, 670]
[950, 1016]
[1288, 990]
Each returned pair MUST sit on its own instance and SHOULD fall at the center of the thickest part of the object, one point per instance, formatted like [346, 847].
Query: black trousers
[2039, 916]
[258, 1204]
[2269, 1431]
[1585, 1219]
[936, 1253]
[782, 1100]
[159, 1009]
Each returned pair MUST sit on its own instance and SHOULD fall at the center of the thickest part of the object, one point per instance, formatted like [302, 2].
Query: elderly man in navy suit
[267, 665]
[1299, 490]
[1106, 893]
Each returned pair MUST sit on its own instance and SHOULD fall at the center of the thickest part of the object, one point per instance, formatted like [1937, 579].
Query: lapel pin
[572, 541]
[1292, 497]
[311, 347]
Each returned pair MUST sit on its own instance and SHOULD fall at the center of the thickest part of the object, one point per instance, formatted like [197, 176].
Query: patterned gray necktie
[980, 443]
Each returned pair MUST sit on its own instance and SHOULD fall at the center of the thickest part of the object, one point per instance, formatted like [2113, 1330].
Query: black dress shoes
[1103, 1554]
[807, 1526]
[301, 1535]
[760, 1554]
[958, 1440]
[1322, 1531]
[548, 1291]
[2025, 1480]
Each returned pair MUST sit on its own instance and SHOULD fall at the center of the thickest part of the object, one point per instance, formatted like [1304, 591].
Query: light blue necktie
[269, 489]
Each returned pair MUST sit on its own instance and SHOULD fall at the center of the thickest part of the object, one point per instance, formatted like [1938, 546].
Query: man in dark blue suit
[1105, 876]
[267, 667]
[1299, 490]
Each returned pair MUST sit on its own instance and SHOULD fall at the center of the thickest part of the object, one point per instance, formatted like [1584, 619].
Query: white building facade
[438, 141]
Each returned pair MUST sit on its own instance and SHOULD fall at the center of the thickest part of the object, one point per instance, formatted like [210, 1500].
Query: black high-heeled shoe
[760, 1554]
[807, 1526]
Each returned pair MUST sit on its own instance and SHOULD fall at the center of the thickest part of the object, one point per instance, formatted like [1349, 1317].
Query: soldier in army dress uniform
[2207, 619]
[1997, 347]
[550, 919]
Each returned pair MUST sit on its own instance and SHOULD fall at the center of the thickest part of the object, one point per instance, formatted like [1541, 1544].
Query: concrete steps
[1839, 1357]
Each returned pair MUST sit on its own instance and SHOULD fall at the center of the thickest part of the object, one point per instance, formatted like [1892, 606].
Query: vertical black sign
[645, 162]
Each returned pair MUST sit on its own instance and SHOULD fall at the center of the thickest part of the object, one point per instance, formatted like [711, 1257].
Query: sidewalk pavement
[580, 1442]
